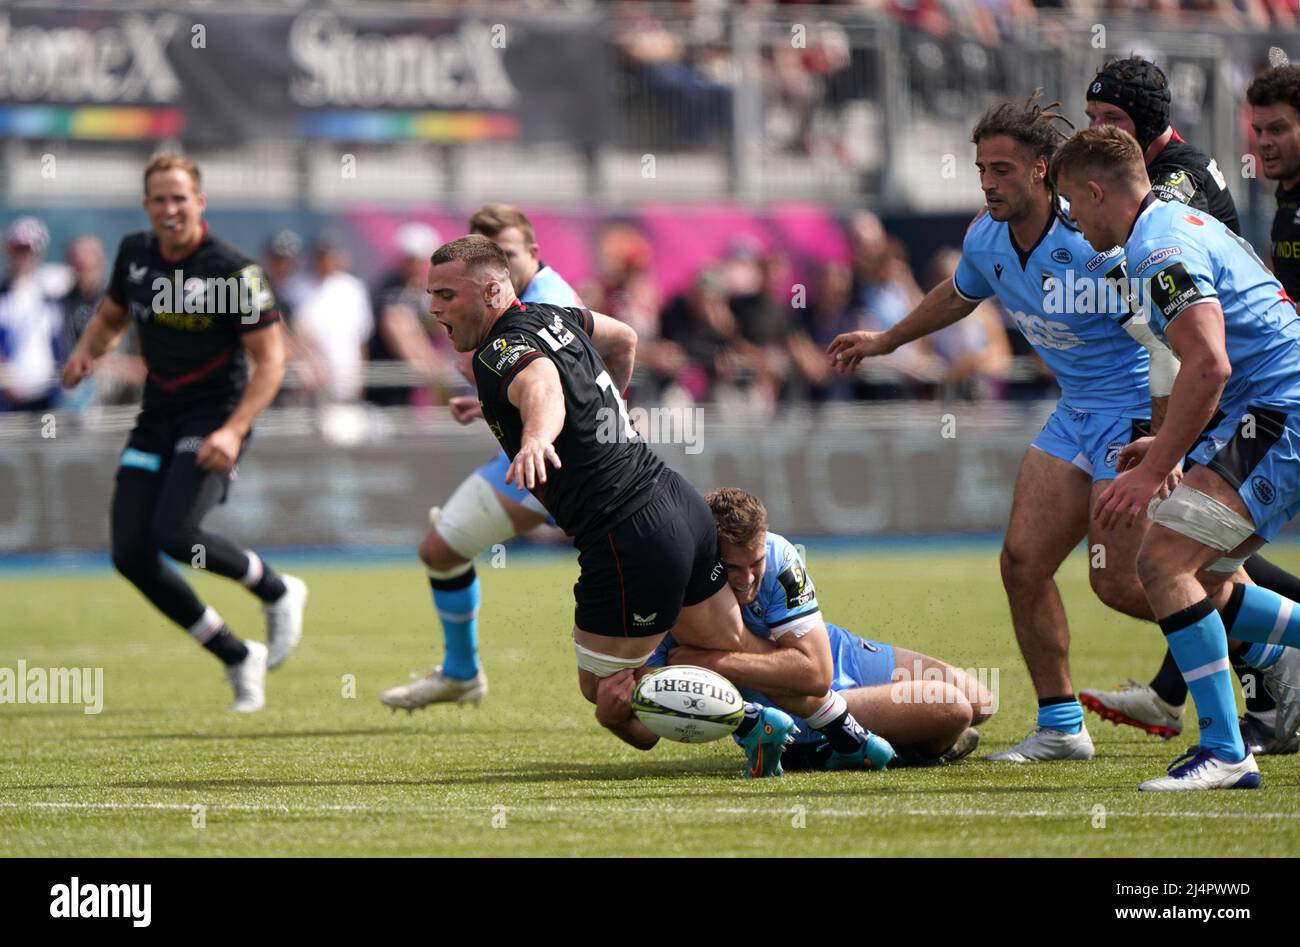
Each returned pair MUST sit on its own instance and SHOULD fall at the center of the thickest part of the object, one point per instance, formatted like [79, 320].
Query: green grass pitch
[166, 770]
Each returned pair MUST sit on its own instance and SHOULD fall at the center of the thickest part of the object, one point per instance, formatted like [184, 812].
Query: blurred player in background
[398, 304]
[30, 323]
[202, 309]
[1234, 407]
[484, 510]
[925, 708]
[1132, 94]
[1012, 250]
[548, 380]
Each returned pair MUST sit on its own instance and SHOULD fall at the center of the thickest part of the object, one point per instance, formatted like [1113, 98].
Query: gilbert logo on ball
[688, 704]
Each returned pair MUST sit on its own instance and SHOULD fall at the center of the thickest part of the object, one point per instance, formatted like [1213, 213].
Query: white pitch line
[874, 812]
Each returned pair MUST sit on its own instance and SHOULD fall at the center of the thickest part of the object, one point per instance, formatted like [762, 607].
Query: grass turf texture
[530, 772]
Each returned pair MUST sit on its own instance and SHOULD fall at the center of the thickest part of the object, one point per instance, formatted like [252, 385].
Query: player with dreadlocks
[1133, 94]
[1022, 250]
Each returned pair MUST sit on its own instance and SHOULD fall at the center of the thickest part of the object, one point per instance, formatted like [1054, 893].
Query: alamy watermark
[57, 685]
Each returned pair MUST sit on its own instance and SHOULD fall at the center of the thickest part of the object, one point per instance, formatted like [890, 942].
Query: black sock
[1252, 680]
[1168, 682]
[1266, 575]
[844, 733]
[226, 646]
[751, 718]
[271, 587]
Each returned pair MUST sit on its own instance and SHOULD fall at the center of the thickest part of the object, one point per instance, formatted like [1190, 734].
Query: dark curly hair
[1279, 84]
[1034, 126]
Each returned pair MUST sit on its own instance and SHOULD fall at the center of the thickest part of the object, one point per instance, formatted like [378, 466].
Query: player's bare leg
[1188, 602]
[477, 517]
[1049, 515]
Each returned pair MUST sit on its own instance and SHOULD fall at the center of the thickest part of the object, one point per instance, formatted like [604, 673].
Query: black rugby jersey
[609, 472]
[190, 314]
[1183, 173]
[1286, 240]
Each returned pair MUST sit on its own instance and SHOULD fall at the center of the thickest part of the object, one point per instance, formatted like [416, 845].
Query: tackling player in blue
[924, 708]
[1233, 405]
[1020, 250]
[484, 510]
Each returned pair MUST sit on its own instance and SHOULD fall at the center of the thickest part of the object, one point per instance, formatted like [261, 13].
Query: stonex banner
[124, 72]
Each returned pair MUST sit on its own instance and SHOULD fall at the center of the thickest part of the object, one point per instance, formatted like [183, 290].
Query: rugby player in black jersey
[202, 310]
[1133, 94]
[1274, 98]
[549, 380]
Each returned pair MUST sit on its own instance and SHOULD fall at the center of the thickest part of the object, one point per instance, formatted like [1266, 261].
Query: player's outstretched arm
[1197, 335]
[790, 665]
[615, 343]
[101, 334]
[536, 392]
[265, 347]
[941, 307]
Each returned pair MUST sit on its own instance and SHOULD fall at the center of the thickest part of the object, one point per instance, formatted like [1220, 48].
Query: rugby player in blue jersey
[1020, 249]
[1235, 406]
[484, 510]
[924, 708]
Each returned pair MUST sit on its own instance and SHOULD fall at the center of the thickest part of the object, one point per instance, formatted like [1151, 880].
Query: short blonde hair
[740, 516]
[169, 161]
[1101, 153]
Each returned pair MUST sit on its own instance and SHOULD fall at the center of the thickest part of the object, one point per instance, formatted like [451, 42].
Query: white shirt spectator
[333, 316]
[29, 323]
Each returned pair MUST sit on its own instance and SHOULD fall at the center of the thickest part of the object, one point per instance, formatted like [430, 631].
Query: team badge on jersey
[505, 351]
[1176, 186]
[798, 590]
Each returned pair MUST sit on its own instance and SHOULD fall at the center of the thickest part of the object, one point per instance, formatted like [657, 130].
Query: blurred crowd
[747, 332]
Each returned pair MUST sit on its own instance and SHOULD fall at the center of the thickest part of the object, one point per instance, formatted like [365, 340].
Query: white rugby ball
[688, 704]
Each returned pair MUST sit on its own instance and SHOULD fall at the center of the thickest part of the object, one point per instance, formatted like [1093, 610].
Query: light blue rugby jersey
[1097, 364]
[786, 601]
[549, 287]
[1184, 257]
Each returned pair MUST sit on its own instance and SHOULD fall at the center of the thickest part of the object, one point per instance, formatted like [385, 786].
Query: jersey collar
[1147, 203]
[1024, 255]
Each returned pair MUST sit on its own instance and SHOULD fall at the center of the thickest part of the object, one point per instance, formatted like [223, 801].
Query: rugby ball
[688, 704]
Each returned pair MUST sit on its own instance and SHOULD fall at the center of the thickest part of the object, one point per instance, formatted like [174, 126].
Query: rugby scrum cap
[1140, 89]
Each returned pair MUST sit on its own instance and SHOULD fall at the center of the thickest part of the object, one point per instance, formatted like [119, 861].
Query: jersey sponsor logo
[1213, 168]
[717, 571]
[798, 590]
[868, 646]
[1062, 255]
[1045, 333]
[136, 274]
[188, 445]
[1173, 290]
[1287, 250]
[643, 621]
[1158, 256]
[1101, 258]
[1263, 490]
[556, 335]
[997, 271]
[497, 430]
[1193, 219]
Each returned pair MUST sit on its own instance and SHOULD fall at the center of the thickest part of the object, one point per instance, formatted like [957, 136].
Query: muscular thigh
[1049, 510]
[914, 666]
[1119, 543]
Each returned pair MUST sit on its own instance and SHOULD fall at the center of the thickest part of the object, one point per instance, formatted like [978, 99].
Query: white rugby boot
[1282, 681]
[1198, 768]
[1136, 705]
[248, 678]
[284, 620]
[1047, 744]
[435, 688]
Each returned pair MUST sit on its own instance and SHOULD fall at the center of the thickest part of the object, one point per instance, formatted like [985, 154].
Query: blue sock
[1200, 646]
[1060, 713]
[1254, 613]
[1262, 656]
[456, 600]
